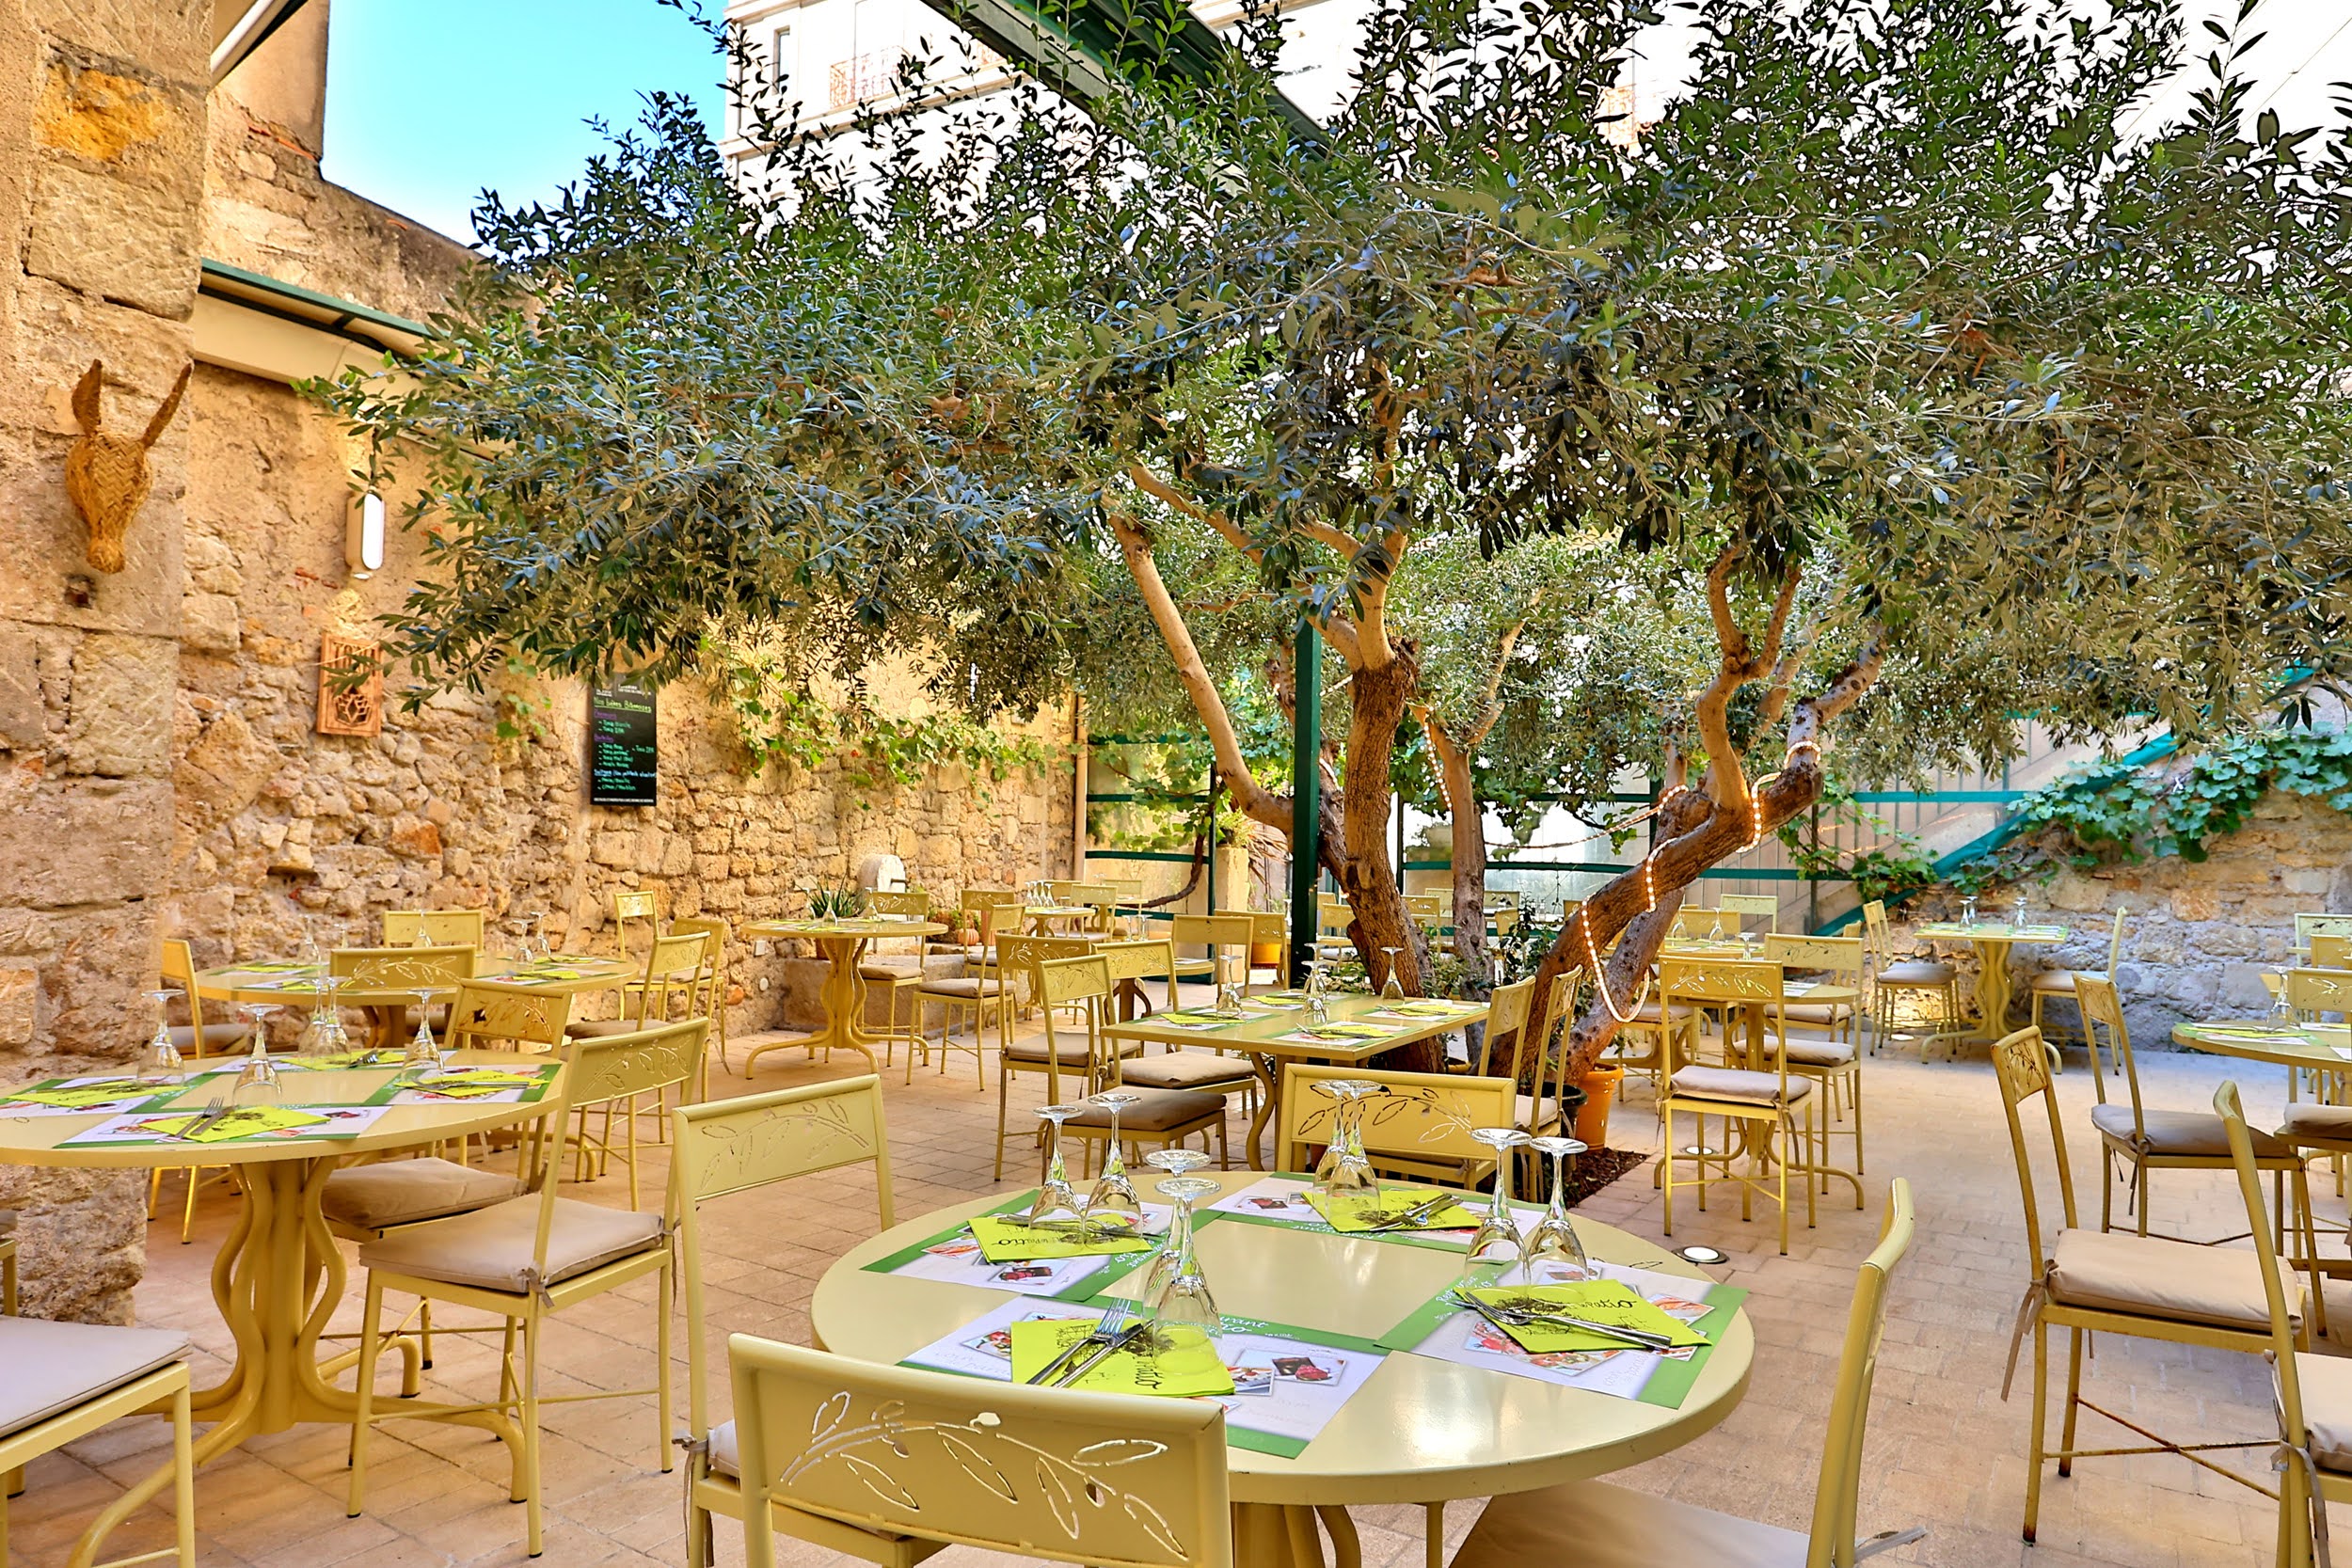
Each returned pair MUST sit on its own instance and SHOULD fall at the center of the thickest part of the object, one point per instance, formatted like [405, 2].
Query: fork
[1100, 1337]
[1117, 1327]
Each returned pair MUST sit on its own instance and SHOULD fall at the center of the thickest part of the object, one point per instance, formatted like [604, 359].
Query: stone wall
[101, 138]
[2197, 935]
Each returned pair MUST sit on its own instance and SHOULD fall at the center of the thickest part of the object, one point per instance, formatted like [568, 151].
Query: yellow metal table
[279, 1275]
[1421, 1431]
[1991, 940]
[2318, 1047]
[297, 986]
[1260, 1039]
[843, 944]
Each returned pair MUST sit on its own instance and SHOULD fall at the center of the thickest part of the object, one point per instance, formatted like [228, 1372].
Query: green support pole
[1306, 792]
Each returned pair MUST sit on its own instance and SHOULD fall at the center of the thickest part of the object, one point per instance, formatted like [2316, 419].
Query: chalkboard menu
[623, 757]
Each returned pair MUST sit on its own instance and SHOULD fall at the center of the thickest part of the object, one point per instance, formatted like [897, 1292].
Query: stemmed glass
[1392, 986]
[325, 1035]
[1498, 1237]
[1113, 1192]
[530, 946]
[1715, 931]
[1169, 1162]
[1228, 997]
[1182, 1299]
[1969, 910]
[163, 1063]
[2017, 913]
[1055, 1195]
[2281, 1010]
[1344, 1167]
[1554, 1240]
[1318, 1005]
[424, 1056]
[257, 1080]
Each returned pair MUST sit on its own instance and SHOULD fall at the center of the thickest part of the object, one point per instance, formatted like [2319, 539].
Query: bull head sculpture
[107, 476]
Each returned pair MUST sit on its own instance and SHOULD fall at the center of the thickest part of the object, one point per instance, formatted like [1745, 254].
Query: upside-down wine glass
[1392, 986]
[163, 1062]
[1553, 1245]
[1498, 1239]
[1055, 1195]
[2017, 913]
[2281, 1010]
[257, 1080]
[1170, 1162]
[1344, 1167]
[1318, 1005]
[1113, 1192]
[424, 1056]
[325, 1036]
[1969, 910]
[1183, 1302]
[1715, 931]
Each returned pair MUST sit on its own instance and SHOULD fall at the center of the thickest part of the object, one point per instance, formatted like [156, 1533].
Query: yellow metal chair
[2316, 993]
[738, 1145]
[1224, 942]
[1741, 907]
[2145, 1141]
[1161, 1117]
[631, 907]
[2312, 1394]
[432, 927]
[2062, 983]
[1503, 908]
[60, 1382]
[1101, 896]
[1418, 1126]
[671, 982]
[196, 1039]
[2332, 951]
[1506, 1014]
[1207, 1071]
[1266, 928]
[1824, 1029]
[1594, 1524]
[1430, 910]
[1333, 916]
[891, 1463]
[1016, 969]
[531, 1258]
[1891, 978]
[2311, 924]
[404, 969]
[712, 1001]
[1771, 1110]
[899, 974]
[2111, 1282]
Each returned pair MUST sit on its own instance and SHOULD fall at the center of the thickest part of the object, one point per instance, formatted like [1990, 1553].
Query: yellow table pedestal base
[1283, 1535]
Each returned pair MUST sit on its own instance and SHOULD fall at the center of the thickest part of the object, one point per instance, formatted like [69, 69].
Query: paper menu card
[486, 1086]
[1289, 1383]
[1287, 1200]
[1446, 1332]
[1178, 1367]
[1337, 1034]
[1006, 1240]
[1202, 1020]
[1606, 1302]
[1421, 1012]
[953, 1257]
[245, 1124]
[82, 1097]
[1351, 1214]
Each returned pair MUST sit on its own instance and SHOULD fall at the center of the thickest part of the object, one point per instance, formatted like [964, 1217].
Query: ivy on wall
[2120, 813]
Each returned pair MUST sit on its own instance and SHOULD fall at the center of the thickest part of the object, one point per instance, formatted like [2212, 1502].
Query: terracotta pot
[1591, 1117]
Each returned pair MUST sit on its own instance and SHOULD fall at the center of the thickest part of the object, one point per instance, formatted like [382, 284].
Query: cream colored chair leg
[1666, 1166]
[534, 1542]
[356, 1500]
[663, 1292]
[183, 1482]
[2034, 1442]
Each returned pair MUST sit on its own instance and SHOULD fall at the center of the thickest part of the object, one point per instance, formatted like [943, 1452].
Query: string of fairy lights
[1593, 965]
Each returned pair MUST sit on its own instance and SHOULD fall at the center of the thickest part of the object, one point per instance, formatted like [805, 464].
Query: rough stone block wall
[102, 150]
[2197, 935]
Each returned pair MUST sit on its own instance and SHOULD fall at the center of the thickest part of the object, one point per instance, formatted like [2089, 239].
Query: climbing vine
[2125, 812]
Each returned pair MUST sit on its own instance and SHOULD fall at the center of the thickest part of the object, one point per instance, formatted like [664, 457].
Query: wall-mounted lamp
[363, 545]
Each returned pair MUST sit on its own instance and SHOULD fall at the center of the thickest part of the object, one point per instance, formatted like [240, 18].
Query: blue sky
[429, 100]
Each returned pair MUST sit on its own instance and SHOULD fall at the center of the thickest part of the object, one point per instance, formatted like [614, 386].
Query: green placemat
[1667, 1387]
[1093, 1284]
[1475, 1202]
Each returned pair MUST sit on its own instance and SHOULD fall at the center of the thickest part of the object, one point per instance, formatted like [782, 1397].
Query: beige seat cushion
[724, 1456]
[402, 1191]
[909, 968]
[1918, 972]
[48, 1367]
[2186, 1132]
[217, 1036]
[1156, 1112]
[1817, 1013]
[1068, 1054]
[1591, 1524]
[2116, 1271]
[2322, 1123]
[2326, 1382]
[1186, 1070]
[1811, 1050]
[2060, 981]
[491, 1247]
[602, 1028]
[1647, 1013]
[1531, 1115]
[1730, 1083]
[967, 985]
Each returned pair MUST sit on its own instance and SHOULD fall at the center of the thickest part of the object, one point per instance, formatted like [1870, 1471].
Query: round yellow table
[843, 944]
[2320, 1047]
[279, 1275]
[1421, 1431]
[1991, 940]
[297, 986]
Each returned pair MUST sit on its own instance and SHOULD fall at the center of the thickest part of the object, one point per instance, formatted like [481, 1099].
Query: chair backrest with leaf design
[1506, 1021]
[2313, 994]
[1017, 958]
[1122, 1481]
[2022, 1062]
[489, 1012]
[674, 969]
[432, 927]
[1839, 957]
[604, 1069]
[1082, 983]
[1750, 986]
[1417, 1117]
[733, 1145]
[908, 901]
[2312, 924]
[2102, 1012]
[630, 907]
[395, 968]
[1224, 937]
[1743, 906]
[2330, 952]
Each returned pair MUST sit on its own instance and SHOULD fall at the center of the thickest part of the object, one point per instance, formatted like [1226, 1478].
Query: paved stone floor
[1944, 1451]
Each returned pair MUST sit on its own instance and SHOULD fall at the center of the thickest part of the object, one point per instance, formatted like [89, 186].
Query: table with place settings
[1991, 940]
[300, 985]
[1352, 1383]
